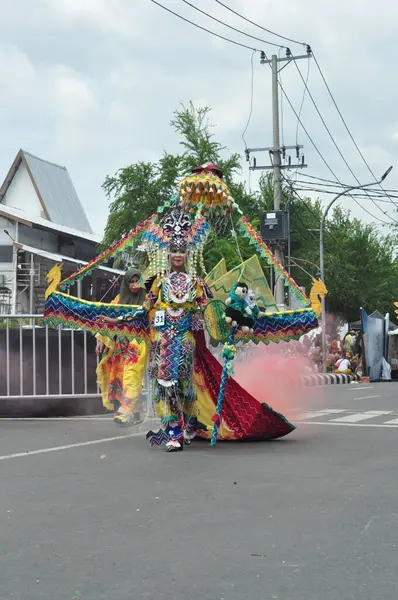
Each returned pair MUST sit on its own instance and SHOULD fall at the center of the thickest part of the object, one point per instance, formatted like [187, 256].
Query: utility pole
[279, 285]
[277, 152]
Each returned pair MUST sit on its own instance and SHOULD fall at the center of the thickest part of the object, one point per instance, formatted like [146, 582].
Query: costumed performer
[176, 300]
[174, 305]
[121, 369]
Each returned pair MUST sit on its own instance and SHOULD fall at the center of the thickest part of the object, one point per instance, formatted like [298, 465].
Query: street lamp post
[321, 252]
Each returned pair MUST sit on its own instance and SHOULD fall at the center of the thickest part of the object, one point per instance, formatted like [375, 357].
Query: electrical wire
[344, 122]
[325, 161]
[330, 184]
[303, 98]
[204, 28]
[281, 87]
[251, 100]
[283, 37]
[330, 134]
[333, 192]
[316, 107]
[253, 37]
[343, 185]
[322, 179]
[281, 106]
[294, 264]
[294, 190]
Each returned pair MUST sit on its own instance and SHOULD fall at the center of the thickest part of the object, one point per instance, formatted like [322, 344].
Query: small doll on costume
[256, 312]
[238, 310]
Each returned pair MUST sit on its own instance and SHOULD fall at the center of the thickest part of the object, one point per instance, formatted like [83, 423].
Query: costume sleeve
[203, 294]
[103, 338]
[152, 296]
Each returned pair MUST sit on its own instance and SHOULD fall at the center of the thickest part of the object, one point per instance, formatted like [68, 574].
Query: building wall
[21, 194]
[43, 240]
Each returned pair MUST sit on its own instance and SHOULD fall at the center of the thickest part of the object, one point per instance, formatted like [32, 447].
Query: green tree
[361, 267]
[135, 193]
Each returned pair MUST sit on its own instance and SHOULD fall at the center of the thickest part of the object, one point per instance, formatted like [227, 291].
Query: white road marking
[384, 425]
[392, 422]
[367, 397]
[363, 387]
[369, 414]
[63, 419]
[323, 413]
[69, 446]
[56, 419]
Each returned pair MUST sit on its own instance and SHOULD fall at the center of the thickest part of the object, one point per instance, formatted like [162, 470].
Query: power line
[306, 87]
[253, 37]
[283, 91]
[306, 205]
[303, 98]
[344, 185]
[281, 108]
[331, 136]
[323, 179]
[324, 160]
[322, 76]
[283, 37]
[344, 122]
[378, 195]
[251, 100]
[330, 184]
[333, 192]
[204, 28]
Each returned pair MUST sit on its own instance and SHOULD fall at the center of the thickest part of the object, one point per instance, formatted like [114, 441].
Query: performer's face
[134, 285]
[177, 259]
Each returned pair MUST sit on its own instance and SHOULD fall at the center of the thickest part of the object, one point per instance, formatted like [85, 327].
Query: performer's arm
[203, 295]
[147, 305]
[103, 341]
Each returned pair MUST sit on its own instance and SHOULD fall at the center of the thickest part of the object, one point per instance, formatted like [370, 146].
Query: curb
[328, 379]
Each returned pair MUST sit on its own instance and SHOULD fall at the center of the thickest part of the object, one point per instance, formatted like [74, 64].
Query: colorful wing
[214, 317]
[62, 310]
[283, 326]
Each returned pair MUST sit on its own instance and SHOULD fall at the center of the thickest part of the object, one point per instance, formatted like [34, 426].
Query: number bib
[159, 318]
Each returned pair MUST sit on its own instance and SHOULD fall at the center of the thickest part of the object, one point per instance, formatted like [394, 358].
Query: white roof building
[42, 221]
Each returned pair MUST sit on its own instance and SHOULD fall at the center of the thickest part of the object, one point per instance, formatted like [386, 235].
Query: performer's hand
[99, 348]
[110, 320]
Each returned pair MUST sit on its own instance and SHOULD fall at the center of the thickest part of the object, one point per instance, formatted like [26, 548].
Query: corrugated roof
[57, 193]
[62, 258]
[14, 214]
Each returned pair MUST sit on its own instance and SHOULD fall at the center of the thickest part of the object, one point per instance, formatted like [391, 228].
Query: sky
[93, 84]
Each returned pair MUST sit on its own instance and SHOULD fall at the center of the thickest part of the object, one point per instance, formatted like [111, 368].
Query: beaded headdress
[174, 232]
[176, 227]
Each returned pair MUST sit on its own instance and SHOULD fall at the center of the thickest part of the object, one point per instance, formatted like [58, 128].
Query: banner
[374, 333]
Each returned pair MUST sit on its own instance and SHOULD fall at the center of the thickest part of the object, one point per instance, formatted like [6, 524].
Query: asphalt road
[311, 517]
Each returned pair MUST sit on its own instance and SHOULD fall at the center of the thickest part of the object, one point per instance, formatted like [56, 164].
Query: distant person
[334, 347]
[357, 346]
[349, 341]
[121, 369]
[343, 365]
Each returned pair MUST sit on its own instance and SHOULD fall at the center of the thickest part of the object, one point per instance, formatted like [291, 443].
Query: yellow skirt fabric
[120, 373]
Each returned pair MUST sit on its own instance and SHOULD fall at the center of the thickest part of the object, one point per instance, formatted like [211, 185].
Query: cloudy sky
[92, 84]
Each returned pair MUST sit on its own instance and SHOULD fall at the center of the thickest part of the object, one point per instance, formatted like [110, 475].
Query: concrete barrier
[328, 379]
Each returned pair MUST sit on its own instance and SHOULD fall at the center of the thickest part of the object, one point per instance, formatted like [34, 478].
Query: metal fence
[45, 371]
[39, 362]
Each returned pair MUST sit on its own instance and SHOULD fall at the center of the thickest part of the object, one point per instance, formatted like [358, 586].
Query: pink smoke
[273, 374]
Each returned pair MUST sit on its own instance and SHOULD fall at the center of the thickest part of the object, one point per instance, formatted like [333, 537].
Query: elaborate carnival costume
[121, 369]
[193, 392]
[174, 303]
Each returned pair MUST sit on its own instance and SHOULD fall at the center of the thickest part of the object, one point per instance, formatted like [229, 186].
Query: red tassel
[216, 419]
